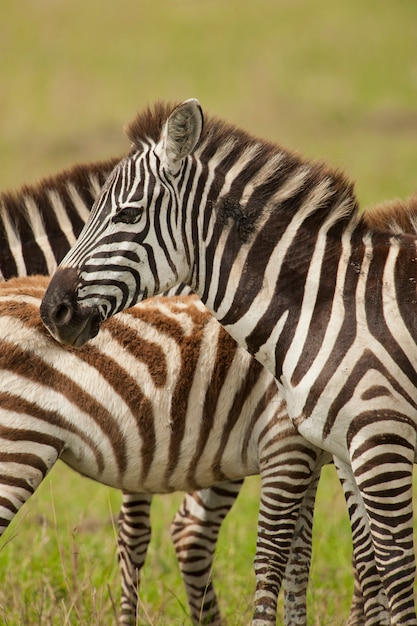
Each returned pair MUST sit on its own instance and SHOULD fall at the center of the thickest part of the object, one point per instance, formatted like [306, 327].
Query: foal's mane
[148, 124]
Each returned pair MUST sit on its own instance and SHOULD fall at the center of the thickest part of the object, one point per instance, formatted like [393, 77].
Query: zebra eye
[128, 215]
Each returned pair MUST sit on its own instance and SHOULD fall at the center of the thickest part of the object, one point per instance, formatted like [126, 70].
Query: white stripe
[15, 244]
[78, 202]
[61, 216]
[312, 285]
[36, 222]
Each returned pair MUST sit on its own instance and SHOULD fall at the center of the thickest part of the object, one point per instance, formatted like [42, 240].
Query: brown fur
[397, 216]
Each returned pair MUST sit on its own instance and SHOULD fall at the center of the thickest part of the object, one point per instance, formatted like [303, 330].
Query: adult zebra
[162, 400]
[277, 249]
[38, 223]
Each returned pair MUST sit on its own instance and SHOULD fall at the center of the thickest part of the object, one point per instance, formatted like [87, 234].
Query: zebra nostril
[62, 314]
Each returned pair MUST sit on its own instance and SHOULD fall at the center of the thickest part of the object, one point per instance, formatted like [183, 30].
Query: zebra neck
[340, 275]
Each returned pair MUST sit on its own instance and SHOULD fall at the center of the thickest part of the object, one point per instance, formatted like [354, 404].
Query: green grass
[336, 81]
[58, 560]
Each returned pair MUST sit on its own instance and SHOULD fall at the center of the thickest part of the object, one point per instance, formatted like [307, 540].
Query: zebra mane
[396, 216]
[82, 177]
[39, 222]
[338, 197]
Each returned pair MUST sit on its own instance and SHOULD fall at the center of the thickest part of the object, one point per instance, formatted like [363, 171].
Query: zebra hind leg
[134, 535]
[194, 532]
[298, 566]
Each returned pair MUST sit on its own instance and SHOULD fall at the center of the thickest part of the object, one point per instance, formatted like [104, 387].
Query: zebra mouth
[69, 322]
[77, 334]
[72, 328]
[86, 331]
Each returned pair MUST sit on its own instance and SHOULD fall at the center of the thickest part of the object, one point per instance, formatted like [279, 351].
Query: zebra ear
[180, 134]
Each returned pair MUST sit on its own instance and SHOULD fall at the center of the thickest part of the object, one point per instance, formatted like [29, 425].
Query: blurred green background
[334, 80]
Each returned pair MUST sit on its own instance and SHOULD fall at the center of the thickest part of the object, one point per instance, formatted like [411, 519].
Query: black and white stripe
[38, 224]
[162, 400]
[277, 249]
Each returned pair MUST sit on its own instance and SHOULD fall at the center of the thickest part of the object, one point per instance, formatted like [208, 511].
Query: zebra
[162, 400]
[38, 223]
[277, 249]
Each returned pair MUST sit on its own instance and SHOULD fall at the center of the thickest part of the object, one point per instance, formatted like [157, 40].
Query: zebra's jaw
[67, 321]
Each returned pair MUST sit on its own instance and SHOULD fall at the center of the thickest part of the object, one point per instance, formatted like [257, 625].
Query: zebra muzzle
[68, 322]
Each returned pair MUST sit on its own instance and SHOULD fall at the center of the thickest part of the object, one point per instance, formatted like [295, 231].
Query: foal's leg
[194, 531]
[24, 463]
[369, 605]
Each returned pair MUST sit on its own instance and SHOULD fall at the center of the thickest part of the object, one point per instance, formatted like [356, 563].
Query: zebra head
[123, 244]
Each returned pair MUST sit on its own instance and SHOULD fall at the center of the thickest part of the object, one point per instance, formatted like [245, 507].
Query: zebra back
[40, 222]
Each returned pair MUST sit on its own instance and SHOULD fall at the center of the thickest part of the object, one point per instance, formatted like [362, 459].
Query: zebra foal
[277, 249]
[162, 400]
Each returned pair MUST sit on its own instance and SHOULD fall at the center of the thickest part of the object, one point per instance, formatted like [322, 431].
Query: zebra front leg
[388, 501]
[357, 607]
[369, 605]
[134, 535]
[285, 480]
[194, 532]
[383, 470]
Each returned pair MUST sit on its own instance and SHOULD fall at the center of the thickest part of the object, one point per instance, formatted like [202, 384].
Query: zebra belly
[185, 477]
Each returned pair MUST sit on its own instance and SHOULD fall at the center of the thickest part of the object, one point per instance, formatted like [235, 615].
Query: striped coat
[162, 400]
[37, 225]
[276, 247]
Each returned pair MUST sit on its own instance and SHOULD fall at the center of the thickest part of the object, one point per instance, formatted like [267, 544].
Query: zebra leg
[284, 486]
[134, 535]
[369, 605]
[194, 532]
[24, 463]
[383, 473]
[357, 607]
[298, 566]
[388, 501]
